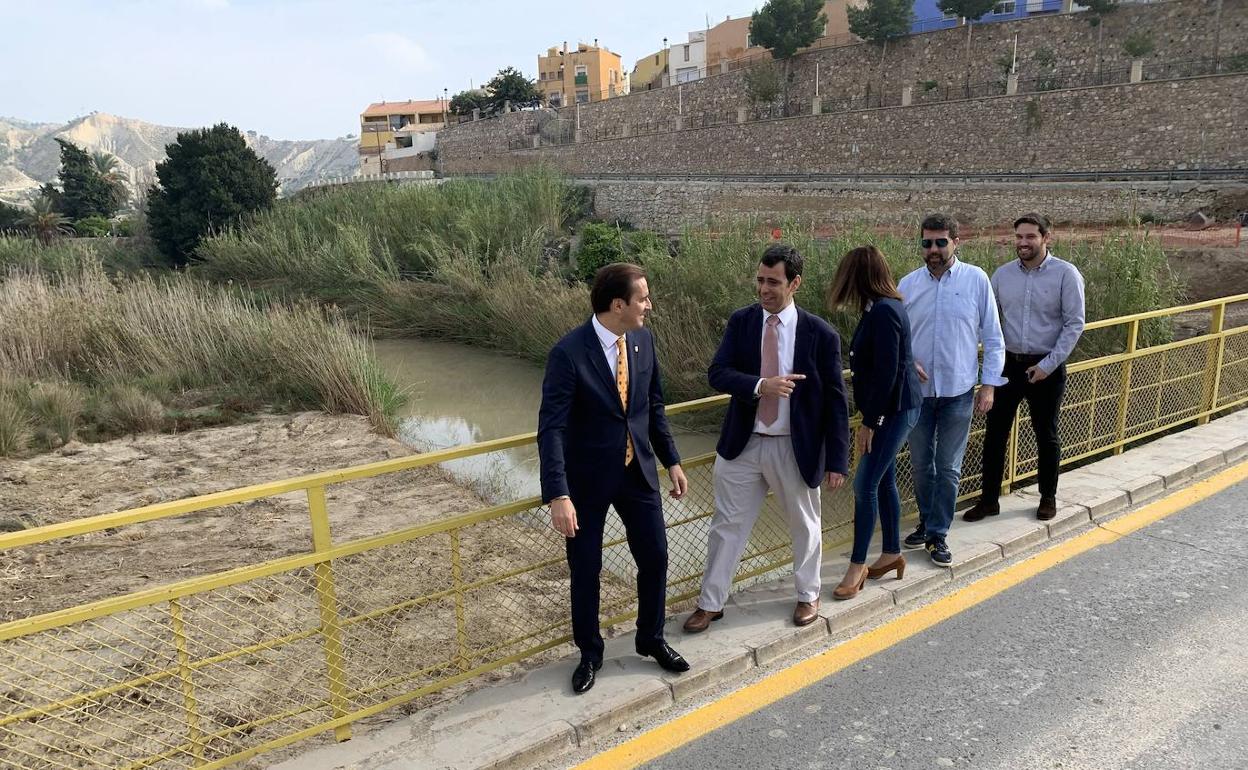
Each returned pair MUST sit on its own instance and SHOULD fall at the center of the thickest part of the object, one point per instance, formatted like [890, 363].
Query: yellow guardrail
[209, 671]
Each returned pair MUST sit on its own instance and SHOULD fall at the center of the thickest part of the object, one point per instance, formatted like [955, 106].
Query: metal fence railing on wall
[208, 671]
[921, 93]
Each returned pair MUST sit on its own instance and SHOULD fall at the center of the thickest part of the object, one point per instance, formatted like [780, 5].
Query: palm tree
[109, 169]
[44, 223]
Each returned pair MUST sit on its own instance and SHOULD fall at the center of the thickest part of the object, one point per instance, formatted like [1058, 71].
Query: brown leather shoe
[1047, 509]
[700, 620]
[805, 613]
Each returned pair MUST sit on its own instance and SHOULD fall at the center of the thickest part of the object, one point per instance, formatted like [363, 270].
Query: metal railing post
[189, 704]
[331, 628]
[1213, 364]
[1124, 390]
[461, 621]
[1012, 468]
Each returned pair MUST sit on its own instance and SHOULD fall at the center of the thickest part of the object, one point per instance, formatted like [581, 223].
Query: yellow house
[396, 125]
[587, 74]
[648, 72]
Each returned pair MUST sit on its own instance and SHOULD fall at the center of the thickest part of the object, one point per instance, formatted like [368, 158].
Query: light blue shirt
[1041, 308]
[950, 318]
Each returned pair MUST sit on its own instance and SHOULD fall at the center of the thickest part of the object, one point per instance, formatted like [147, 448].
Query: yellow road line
[690, 727]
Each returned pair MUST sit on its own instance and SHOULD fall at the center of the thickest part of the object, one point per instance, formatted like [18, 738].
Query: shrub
[57, 407]
[15, 427]
[601, 244]
[126, 409]
[1138, 45]
[92, 227]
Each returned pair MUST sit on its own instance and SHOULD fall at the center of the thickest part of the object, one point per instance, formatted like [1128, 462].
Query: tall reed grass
[173, 335]
[480, 262]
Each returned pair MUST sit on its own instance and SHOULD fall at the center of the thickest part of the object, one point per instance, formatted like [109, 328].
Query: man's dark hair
[938, 222]
[783, 252]
[612, 282]
[1032, 218]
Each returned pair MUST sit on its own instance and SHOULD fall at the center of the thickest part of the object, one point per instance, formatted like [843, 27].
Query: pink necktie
[769, 406]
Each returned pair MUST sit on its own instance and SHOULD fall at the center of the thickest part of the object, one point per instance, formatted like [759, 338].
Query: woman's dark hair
[861, 277]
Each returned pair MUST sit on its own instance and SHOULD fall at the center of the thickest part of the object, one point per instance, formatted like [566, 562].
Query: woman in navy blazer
[886, 392]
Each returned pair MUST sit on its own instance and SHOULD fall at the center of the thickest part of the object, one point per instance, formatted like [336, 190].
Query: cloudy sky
[297, 69]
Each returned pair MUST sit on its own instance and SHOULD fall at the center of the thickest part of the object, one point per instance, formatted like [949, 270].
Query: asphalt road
[1131, 655]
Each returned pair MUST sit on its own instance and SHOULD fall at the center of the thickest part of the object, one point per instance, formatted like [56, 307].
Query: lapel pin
[636, 349]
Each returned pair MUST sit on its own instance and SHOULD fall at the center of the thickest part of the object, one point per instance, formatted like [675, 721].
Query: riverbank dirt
[81, 480]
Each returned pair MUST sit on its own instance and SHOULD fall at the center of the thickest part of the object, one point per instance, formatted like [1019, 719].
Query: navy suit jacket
[582, 425]
[885, 380]
[818, 410]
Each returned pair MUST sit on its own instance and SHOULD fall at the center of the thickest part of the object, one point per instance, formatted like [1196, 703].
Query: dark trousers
[641, 510]
[1044, 399]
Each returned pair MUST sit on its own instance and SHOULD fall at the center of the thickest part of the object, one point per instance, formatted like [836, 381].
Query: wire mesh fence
[208, 671]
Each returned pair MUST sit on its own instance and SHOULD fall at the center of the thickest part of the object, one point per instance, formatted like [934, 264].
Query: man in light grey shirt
[1041, 301]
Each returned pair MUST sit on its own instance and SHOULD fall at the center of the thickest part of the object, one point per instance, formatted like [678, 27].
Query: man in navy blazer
[601, 425]
[786, 430]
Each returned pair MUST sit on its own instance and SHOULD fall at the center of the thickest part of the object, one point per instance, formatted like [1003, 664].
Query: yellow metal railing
[209, 671]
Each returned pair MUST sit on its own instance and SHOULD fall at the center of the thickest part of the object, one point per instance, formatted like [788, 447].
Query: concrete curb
[534, 718]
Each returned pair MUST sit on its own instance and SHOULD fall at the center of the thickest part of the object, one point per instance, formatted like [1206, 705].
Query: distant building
[927, 16]
[392, 131]
[730, 39]
[687, 61]
[650, 71]
[587, 74]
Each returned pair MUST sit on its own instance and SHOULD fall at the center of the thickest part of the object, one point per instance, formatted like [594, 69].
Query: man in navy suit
[786, 430]
[601, 425]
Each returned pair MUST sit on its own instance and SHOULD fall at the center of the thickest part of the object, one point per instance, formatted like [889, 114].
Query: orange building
[730, 39]
[587, 74]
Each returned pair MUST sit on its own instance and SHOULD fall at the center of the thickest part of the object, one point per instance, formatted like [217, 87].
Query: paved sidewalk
[534, 718]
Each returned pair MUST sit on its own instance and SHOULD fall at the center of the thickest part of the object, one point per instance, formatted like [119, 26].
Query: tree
[44, 223]
[11, 217]
[966, 9]
[511, 86]
[84, 193]
[784, 26]
[881, 20]
[464, 102]
[1098, 9]
[1138, 45]
[209, 180]
[763, 83]
[108, 167]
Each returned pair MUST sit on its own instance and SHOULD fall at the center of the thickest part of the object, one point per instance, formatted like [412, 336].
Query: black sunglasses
[927, 242]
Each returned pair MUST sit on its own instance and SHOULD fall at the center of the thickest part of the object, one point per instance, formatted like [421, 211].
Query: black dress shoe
[583, 676]
[665, 656]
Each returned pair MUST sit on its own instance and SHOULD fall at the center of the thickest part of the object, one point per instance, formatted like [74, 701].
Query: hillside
[29, 155]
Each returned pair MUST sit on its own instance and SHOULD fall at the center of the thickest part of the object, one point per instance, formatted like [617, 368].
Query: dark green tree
[109, 169]
[784, 26]
[84, 192]
[966, 9]
[1098, 9]
[510, 85]
[11, 217]
[881, 20]
[209, 180]
[464, 102]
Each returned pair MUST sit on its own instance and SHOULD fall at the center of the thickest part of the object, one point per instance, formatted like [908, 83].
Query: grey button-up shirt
[1041, 309]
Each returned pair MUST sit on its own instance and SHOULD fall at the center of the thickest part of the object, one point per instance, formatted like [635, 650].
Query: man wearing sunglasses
[952, 312]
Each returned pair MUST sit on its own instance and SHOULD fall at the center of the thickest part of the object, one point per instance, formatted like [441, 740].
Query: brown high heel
[899, 565]
[842, 593]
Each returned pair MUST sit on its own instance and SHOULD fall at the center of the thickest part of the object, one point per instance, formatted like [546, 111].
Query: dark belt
[1029, 359]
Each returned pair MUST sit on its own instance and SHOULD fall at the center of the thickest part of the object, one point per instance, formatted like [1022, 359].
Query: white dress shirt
[786, 331]
[607, 339]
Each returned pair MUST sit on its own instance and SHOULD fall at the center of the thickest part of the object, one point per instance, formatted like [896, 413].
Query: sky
[298, 69]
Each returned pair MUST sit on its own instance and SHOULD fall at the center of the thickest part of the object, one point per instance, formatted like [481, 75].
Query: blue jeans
[875, 487]
[937, 445]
